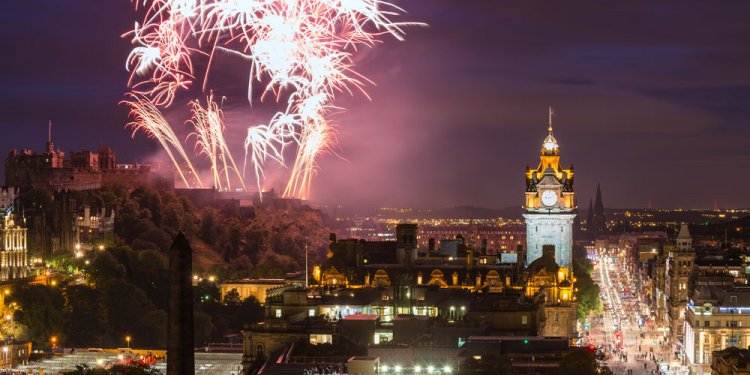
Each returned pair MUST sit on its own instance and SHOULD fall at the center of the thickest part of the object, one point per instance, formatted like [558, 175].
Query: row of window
[717, 323]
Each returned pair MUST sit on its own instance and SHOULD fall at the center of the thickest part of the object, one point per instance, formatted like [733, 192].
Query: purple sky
[651, 99]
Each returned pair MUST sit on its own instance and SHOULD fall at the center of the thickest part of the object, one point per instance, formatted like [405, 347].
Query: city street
[625, 329]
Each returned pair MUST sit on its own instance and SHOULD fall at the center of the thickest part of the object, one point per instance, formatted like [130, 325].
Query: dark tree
[84, 321]
[41, 312]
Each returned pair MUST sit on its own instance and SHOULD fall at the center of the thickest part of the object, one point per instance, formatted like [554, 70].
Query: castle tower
[550, 205]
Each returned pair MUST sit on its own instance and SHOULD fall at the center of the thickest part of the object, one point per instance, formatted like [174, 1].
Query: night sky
[651, 99]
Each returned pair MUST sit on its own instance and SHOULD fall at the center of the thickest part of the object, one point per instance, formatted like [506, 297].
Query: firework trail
[162, 52]
[208, 123]
[148, 119]
[298, 51]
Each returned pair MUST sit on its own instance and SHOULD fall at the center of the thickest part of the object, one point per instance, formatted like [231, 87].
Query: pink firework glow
[297, 51]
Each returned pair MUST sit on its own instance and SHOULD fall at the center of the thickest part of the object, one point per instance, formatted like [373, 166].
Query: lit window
[524, 319]
[310, 313]
[278, 313]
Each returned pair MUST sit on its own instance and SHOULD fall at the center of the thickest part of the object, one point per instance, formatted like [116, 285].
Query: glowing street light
[127, 339]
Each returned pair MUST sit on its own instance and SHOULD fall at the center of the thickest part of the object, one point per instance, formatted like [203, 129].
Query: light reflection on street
[625, 330]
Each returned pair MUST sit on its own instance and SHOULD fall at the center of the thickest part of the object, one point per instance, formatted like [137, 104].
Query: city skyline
[652, 111]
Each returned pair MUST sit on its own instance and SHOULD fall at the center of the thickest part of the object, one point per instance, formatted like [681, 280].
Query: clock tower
[550, 205]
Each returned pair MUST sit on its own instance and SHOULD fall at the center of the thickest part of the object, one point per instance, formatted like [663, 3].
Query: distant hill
[441, 213]
[476, 212]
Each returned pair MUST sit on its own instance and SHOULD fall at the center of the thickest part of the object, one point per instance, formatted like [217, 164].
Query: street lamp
[53, 340]
[127, 338]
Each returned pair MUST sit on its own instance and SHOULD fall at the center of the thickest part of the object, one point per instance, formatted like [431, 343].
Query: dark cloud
[651, 98]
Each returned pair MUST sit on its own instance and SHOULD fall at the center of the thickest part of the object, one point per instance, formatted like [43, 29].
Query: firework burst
[148, 119]
[208, 124]
[298, 51]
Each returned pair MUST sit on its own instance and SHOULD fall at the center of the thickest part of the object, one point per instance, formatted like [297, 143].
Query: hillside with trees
[106, 295]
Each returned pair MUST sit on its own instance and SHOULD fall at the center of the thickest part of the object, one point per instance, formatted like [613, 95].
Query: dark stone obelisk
[180, 351]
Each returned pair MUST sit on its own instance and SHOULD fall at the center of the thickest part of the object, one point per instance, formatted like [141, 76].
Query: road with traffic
[625, 330]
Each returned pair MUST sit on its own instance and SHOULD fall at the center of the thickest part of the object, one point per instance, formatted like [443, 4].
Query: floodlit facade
[550, 205]
[714, 323]
[14, 255]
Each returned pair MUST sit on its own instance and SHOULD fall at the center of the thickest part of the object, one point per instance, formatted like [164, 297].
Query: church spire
[600, 222]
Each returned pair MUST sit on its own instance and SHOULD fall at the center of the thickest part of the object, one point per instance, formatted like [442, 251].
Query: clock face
[549, 198]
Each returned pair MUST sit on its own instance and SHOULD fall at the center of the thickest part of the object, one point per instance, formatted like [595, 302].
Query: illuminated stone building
[260, 289]
[550, 205]
[14, 259]
[715, 320]
[94, 225]
[545, 278]
[680, 267]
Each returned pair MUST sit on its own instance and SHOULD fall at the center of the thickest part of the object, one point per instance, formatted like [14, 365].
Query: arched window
[259, 351]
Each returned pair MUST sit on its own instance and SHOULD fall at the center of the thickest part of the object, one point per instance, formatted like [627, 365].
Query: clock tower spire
[550, 204]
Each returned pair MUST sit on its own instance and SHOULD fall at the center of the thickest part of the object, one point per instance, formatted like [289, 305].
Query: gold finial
[549, 129]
